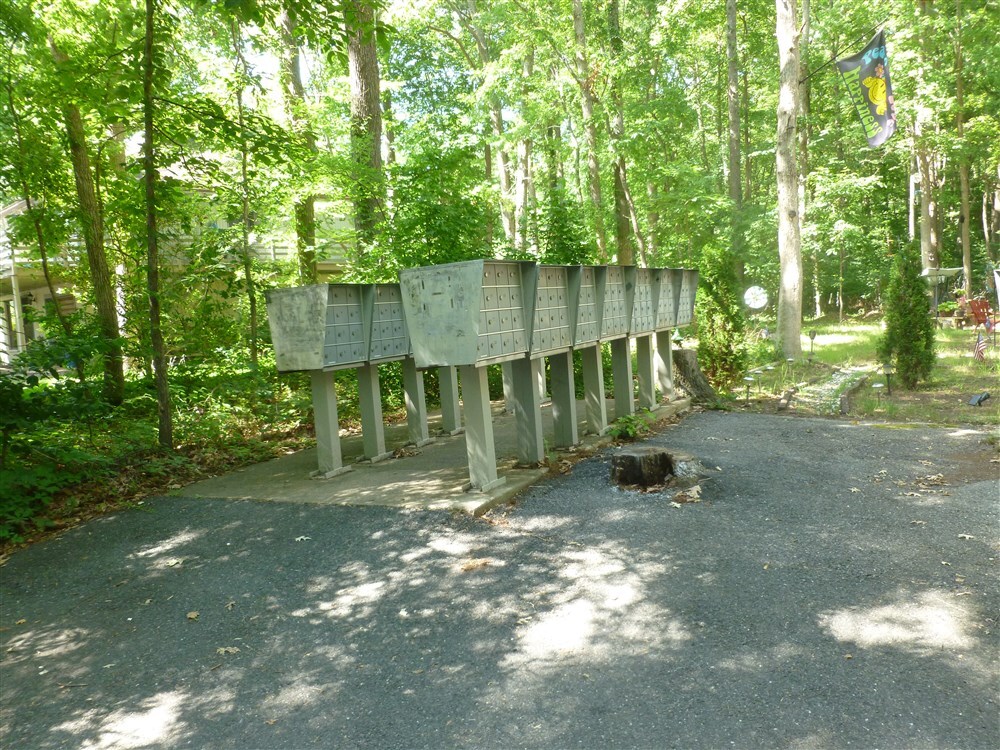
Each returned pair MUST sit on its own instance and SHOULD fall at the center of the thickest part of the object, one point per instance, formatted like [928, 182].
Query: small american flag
[980, 350]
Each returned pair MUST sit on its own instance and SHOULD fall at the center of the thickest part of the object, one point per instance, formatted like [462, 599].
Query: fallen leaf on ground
[230, 604]
[193, 615]
[918, 523]
[475, 564]
[945, 562]
[22, 621]
[855, 489]
[303, 538]
[227, 650]
[966, 536]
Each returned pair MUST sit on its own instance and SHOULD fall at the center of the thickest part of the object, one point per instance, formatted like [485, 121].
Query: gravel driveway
[836, 587]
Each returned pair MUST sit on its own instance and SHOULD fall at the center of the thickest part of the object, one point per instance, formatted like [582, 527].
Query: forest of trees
[624, 131]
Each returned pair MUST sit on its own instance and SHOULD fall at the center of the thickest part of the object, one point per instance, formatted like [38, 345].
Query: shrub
[908, 341]
[722, 327]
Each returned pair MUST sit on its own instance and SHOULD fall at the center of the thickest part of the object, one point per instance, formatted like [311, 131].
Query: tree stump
[686, 366]
[645, 467]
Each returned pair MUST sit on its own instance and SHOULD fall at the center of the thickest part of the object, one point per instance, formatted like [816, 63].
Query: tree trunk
[733, 167]
[242, 74]
[165, 423]
[623, 227]
[928, 255]
[366, 123]
[93, 237]
[523, 191]
[963, 168]
[36, 221]
[590, 129]
[804, 133]
[789, 234]
[692, 378]
[304, 207]
[497, 121]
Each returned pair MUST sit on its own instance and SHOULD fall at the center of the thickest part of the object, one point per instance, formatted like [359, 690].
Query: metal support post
[451, 415]
[416, 403]
[372, 429]
[621, 366]
[324, 396]
[528, 411]
[593, 389]
[508, 387]
[644, 365]
[479, 443]
[664, 361]
[563, 400]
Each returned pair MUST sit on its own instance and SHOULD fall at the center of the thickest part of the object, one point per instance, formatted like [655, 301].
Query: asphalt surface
[836, 587]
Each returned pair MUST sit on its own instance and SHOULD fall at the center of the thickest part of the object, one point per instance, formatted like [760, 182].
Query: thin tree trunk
[304, 206]
[734, 175]
[497, 121]
[165, 432]
[37, 224]
[928, 256]
[590, 129]
[804, 133]
[623, 227]
[93, 236]
[523, 190]
[242, 74]
[789, 237]
[366, 123]
[964, 215]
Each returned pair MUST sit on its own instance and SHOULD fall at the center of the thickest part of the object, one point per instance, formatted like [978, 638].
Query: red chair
[980, 309]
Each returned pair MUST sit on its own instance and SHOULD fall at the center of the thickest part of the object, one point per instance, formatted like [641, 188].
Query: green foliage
[908, 341]
[631, 426]
[722, 326]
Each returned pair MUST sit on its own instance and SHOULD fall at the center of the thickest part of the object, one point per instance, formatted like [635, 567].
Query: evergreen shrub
[908, 341]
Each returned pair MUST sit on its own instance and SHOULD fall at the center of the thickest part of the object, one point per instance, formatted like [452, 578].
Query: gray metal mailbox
[583, 288]
[670, 289]
[383, 303]
[685, 300]
[317, 327]
[554, 310]
[469, 313]
[297, 318]
[618, 283]
[644, 304]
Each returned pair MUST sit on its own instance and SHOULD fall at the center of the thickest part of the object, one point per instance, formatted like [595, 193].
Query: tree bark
[524, 176]
[366, 123]
[242, 73]
[304, 206]
[694, 381]
[93, 237]
[963, 166]
[587, 101]
[165, 433]
[734, 175]
[789, 230]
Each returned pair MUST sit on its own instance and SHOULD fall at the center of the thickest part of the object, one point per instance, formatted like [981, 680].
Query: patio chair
[981, 313]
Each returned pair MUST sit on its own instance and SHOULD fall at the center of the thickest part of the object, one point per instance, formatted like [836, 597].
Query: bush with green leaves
[722, 327]
[908, 342]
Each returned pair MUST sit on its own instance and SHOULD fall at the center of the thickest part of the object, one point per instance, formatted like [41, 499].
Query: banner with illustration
[866, 75]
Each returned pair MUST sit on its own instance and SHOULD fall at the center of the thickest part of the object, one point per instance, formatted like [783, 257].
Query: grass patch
[941, 400]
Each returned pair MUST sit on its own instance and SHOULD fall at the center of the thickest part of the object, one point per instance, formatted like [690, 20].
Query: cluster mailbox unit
[463, 317]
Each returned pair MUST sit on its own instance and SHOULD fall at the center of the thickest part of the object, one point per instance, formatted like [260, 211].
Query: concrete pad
[434, 476]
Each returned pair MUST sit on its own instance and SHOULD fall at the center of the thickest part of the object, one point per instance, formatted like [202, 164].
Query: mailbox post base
[644, 365]
[621, 364]
[664, 363]
[372, 429]
[479, 445]
[593, 390]
[416, 403]
[451, 414]
[324, 396]
[563, 400]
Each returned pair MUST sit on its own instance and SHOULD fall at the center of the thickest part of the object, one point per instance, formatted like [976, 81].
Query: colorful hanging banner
[866, 75]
